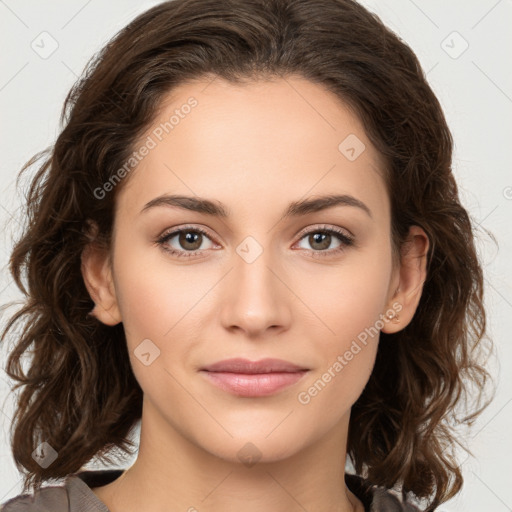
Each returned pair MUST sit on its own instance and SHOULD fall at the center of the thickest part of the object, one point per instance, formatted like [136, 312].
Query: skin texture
[255, 148]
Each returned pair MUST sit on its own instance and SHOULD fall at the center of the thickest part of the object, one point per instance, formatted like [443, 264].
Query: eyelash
[346, 241]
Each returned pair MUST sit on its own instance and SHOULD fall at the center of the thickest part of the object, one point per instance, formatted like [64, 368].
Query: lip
[246, 378]
[239, 365]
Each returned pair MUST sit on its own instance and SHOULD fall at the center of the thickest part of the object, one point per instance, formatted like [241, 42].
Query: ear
[97, 274]
[412, 273]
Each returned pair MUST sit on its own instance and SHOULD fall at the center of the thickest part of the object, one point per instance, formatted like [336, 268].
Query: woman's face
[263, 281]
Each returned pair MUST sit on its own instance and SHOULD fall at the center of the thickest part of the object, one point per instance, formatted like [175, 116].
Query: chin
[249, 448]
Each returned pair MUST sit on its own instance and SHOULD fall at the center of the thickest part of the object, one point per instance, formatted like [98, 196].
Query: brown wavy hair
[80, 394]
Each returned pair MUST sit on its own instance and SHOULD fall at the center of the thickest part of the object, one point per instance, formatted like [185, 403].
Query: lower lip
[253, 385]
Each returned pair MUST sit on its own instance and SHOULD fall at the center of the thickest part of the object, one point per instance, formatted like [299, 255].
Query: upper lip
[239, 365]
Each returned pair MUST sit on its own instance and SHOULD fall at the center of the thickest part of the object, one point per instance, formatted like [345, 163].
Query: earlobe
[412, 276]
[97, 274]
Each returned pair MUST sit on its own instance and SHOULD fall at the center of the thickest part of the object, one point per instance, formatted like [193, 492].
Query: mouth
[246, 378]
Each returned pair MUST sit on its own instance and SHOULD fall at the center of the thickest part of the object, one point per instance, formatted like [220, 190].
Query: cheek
[346, 299]
[349, 304]
[157, 304]
[153, 295]
[167, 304]
[345, 358]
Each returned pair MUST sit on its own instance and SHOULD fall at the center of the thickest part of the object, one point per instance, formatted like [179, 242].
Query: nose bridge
[252, 267]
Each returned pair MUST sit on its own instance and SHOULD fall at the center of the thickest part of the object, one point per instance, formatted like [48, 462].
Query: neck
[173, 473]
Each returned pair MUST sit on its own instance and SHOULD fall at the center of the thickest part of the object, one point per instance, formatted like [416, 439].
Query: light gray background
[475, 90]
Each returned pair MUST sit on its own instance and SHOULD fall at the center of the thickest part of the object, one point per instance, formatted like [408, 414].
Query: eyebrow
[295, 209]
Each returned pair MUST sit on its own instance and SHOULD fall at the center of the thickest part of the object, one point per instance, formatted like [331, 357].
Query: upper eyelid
[324, 227]
[174, 231]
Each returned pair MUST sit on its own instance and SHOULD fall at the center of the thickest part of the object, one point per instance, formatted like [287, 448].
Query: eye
[321, 238]
[188, 241]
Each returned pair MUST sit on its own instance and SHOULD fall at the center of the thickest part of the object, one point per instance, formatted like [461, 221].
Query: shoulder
[378, 499]
[74, 495]
[47, 499]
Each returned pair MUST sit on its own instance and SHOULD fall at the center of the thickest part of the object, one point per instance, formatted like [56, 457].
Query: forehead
[266, 141]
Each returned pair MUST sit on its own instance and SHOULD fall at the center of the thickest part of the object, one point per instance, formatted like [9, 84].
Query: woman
[249, 238]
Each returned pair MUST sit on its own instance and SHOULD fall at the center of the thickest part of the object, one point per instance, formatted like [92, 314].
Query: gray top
[76, 495]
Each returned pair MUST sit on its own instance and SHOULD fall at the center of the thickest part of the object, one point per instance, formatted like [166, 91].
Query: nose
[255, 298]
